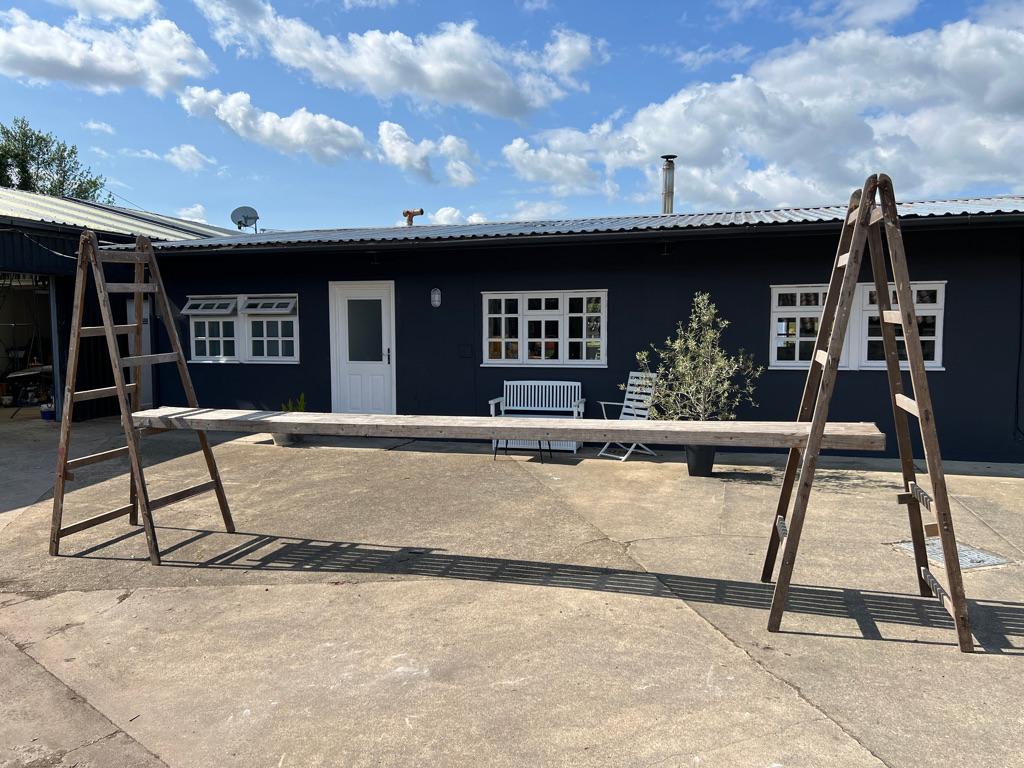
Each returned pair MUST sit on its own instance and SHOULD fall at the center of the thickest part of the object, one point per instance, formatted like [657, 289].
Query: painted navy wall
[650, 285]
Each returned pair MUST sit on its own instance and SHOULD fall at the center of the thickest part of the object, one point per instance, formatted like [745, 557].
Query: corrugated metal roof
[69, 211]
[606, 224]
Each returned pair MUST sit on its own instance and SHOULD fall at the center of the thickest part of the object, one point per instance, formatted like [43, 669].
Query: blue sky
[343, 113]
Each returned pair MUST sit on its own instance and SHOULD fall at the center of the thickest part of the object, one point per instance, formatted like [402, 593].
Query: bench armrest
[494, 402]
[578, 407]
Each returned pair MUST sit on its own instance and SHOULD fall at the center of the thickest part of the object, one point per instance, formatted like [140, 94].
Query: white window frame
[242, 318]
[561, 315]
[855, 345]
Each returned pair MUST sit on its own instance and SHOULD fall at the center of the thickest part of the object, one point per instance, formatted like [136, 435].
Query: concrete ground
[394, 603]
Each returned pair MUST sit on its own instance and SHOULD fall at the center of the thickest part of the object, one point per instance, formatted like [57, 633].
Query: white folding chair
[635, 406]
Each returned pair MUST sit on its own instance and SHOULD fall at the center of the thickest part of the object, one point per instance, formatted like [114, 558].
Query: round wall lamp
[435, 297]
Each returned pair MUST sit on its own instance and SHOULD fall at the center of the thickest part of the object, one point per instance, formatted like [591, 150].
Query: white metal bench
[539, 399]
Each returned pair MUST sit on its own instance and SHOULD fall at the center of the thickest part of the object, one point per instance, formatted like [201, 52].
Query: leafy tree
[39, 162]
[696, 379]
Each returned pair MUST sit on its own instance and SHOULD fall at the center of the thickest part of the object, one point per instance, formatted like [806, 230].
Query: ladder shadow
[994, 623]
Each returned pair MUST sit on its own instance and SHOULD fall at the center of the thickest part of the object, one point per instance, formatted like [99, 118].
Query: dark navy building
[433, 319]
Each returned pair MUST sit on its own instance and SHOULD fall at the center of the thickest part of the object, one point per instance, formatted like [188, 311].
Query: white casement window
[796, 310]
[546, 328]
[243, 329]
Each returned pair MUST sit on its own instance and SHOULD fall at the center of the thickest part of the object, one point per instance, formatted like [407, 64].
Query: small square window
[576, 304]
[511, 306]
[494, 306]
[533, 305]
[551, 304]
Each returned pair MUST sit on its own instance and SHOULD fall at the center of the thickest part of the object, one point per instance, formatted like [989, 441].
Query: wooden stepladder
[91, 258]
[864, 220]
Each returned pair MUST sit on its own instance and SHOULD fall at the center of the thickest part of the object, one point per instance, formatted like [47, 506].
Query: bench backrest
[636, 405]
[542, 395]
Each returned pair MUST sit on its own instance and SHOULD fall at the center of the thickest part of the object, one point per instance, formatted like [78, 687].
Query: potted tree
[287, 438]
[698, 380]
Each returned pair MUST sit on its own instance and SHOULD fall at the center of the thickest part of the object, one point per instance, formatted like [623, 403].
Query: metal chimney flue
[668, 182]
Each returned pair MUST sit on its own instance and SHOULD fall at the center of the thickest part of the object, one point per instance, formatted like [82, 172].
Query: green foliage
[39, 162]
[296, 405]
[696, 379]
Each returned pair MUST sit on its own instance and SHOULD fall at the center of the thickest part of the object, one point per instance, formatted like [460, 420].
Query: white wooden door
[362, 347]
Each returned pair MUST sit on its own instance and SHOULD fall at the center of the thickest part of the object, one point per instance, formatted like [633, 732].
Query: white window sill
[845, 368]
[542, 365]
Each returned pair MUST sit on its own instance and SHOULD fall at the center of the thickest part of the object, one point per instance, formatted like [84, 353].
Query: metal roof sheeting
[69, 211]
[1007, 204]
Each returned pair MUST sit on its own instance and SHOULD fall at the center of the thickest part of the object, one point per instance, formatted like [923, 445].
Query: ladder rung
[907, 404]
[931, 529]
[105, 517]
[123, 257]
[843, 260]
[95, 394]
[821, 357]
[781, 527]
[184, 493]
[162, 357]
[921, 495]
[146, 431]
[131, 287]
[94, 458]
[99, 330]
[876, 216]
[892, 316]
[940, 592]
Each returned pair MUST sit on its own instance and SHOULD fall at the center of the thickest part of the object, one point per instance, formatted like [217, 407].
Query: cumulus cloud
[856, 14]
[195, 212]
[450, 215]
[705, 55]
[455, 65]
[323, 138]
[534, 210]
[111, 9]
[784, 133]
[156, 57]
[398, 149]
[98, 126]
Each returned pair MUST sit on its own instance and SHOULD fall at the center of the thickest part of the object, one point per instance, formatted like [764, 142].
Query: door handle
[389, 355]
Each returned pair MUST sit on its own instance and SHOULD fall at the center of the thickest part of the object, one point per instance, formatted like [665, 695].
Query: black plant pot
[700, 460]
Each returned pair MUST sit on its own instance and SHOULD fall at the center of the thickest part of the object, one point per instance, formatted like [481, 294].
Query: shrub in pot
[697, 379]
[286, 438]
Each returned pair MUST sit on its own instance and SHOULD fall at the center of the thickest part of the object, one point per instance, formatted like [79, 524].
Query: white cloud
[701, 57]
[99, 152]
[195, 212]
[450, 215]
[535, 5]
[156, 57]
[350, 4]
[737, 10]
[98, 126]
[323, 138]
[185, 157]
[854, 14]
[455, 65]
[808, 122]
[566, 173]
[398, 149]
[111, 9]
[535, 210]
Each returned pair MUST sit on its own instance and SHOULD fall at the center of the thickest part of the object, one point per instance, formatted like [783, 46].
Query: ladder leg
[895, 376]
[811, 384]
[796, 524]
[64, 442]
[143, 244]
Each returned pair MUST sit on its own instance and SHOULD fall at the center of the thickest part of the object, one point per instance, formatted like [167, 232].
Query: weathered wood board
[858, 436]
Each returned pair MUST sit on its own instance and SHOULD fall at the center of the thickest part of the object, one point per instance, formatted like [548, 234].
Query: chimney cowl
[410, 213]
[668, 182]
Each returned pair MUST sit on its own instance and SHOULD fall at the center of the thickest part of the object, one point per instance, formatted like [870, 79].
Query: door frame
[334, 310]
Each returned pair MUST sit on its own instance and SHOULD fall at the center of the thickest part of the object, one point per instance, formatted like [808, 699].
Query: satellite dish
[244, 216]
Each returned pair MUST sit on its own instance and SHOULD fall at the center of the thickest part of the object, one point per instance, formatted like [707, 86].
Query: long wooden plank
[131, 288]
[99, 330]
[160, 357]
[753, 434]
[95, 458]
[95, 394]
[89, 522]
